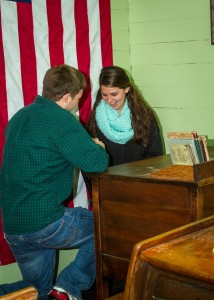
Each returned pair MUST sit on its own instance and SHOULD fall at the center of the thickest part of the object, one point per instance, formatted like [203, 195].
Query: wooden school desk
[179, 264]
[139, 200]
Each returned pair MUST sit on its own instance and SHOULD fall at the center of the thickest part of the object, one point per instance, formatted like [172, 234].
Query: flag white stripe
[12, 57]
[41, 33]
[81, 198]
[95, 45]
[69, 38]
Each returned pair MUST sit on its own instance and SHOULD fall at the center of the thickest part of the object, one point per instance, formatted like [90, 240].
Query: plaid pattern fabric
[43, 144]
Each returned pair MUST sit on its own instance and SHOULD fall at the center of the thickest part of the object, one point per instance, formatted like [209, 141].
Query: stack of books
[187, 148]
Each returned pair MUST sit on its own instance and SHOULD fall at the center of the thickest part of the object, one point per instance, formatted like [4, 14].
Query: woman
[122, 120]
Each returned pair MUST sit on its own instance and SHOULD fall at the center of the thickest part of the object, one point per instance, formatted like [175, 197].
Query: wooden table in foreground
[133, 202]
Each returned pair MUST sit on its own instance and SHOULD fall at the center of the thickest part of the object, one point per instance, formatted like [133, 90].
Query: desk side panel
[132, 211]
[208, 198]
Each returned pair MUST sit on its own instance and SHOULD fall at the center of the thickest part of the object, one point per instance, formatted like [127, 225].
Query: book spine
[203, 142]
[199, 150]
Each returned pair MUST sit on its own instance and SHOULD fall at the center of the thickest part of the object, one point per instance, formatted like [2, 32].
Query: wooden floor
[91, 294]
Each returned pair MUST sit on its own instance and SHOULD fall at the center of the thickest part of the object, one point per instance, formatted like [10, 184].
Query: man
[44, 142]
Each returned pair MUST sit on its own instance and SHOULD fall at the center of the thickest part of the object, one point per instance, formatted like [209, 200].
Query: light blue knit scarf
[116, 127]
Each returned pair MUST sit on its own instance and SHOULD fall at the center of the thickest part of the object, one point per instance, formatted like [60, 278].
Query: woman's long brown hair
[141, 114]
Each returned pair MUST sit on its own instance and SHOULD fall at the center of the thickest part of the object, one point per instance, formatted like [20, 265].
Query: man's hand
[97, 141]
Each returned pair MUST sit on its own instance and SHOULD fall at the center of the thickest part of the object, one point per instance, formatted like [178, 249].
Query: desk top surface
[191, 254]
[160, 169]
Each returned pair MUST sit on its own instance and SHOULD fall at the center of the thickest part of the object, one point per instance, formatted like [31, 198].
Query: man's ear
[66, 98]
[63, 101]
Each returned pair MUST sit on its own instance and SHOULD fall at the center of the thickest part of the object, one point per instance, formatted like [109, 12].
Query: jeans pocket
[17, 251]
[58, 235]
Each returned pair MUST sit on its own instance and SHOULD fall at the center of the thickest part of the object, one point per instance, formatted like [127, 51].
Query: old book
[199, 150]
[203, 142]
[199, 140]
[182, 154]
[183, 151]
[182, 135]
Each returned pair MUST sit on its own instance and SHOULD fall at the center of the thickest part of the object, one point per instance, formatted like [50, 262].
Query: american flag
[38, 34]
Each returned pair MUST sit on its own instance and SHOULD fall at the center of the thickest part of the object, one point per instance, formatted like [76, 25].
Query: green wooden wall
[165, 44]
[171, 59]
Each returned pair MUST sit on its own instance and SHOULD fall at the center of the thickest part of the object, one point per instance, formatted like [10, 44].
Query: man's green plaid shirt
[43, 144]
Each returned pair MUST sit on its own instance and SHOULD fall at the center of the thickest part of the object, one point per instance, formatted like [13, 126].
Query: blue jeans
[36, 253]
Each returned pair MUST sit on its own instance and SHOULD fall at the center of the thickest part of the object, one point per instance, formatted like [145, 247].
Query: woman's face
[114, 96]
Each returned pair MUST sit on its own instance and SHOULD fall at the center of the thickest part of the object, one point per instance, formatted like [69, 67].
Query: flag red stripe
[27, 52]
[106, 35]
[6, 256]
[54, 13]
[3, 97]
[83, 54]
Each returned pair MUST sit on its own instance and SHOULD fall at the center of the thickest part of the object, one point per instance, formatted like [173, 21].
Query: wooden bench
[176, 265]
[29, 293]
